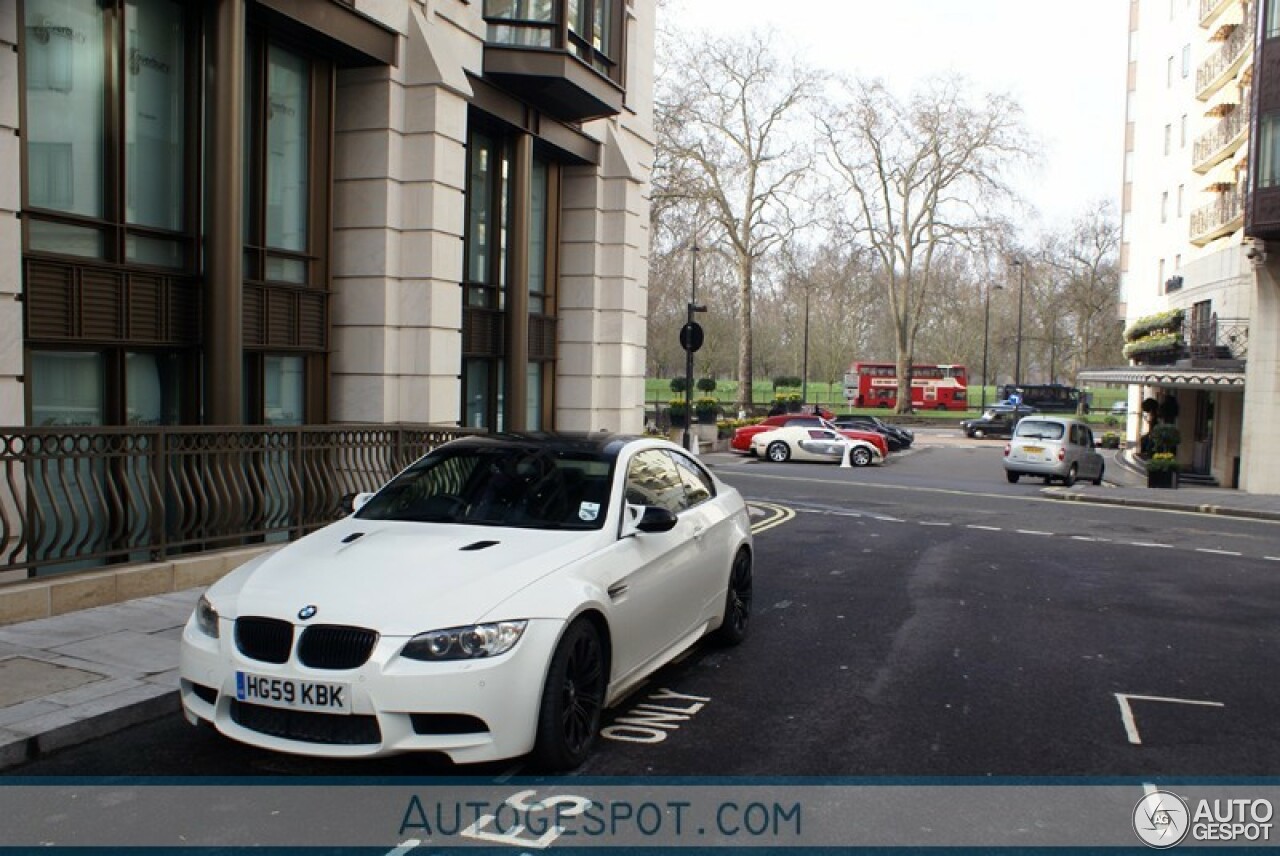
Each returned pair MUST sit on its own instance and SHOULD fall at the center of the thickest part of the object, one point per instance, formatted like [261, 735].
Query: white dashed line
[1217, 552]
[983, 528]
[1091, 539]
[932, 523]
[1149, 544]
[1272, 558]
[1031, 532]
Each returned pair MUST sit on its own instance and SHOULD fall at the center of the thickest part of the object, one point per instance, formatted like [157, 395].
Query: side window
[652, 479]
[698, 487]
[803, 421]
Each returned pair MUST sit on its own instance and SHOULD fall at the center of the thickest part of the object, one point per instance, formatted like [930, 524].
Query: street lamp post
[690, 347]
[1022, 287]
[986, 337]
[804, 367]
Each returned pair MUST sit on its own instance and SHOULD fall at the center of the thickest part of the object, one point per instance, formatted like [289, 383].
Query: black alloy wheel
[737, 605]
[1070, 478]
[572, 700]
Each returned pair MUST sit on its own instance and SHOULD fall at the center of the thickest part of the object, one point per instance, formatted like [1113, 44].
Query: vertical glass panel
[1269, 151]
[154, 113]
[152, 388]
[250, 119]
[288, 98]
[282, 390]
[501, 411]
[65, 64]
[520, 10]
[538, 220]
[476, 390]
[67, 388]
[479, 204]
[533, 407]
[1273, 19]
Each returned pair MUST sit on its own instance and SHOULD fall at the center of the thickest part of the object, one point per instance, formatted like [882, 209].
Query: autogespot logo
[1161, 819]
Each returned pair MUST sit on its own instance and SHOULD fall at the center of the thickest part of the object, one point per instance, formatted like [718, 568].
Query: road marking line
[1031, 532]
[1217, 552]
[932, 523]
[1149, 544]
[1090, 538]
[1126, 712]
[781, 515]
[1272, 558]
[983, 528]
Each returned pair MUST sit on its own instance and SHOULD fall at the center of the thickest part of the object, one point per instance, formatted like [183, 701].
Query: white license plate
[293, 694]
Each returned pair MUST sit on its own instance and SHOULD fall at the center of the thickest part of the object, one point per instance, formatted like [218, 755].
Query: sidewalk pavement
[79, 676]
[1125, 483]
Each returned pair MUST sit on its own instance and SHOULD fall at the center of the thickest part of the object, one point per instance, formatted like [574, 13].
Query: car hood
[397, 577]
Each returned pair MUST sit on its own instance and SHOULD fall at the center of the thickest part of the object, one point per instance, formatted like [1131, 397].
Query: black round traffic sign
[691, 336]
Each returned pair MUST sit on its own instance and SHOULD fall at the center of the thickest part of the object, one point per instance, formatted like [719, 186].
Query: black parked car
[997, 420]
[896, 437]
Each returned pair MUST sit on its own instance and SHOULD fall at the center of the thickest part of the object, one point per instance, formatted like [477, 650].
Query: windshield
[529, 487]
[1040, 430]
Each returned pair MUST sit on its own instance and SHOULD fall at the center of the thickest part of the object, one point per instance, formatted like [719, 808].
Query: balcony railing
[1215, 144]
[1210, 9]
[1214, 70]
[1210, 338]
[1218, 218]
[75, 498]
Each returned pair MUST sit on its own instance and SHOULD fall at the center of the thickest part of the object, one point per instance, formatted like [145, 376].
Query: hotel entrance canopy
[1169, 377]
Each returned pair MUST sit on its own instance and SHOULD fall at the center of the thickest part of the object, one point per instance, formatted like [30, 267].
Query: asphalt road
[917, 619]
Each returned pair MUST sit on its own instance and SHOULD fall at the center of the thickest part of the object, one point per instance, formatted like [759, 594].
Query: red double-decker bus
[939, 387]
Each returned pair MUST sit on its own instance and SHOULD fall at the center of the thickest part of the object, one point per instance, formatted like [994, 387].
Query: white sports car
[810, 443]
[490, 601]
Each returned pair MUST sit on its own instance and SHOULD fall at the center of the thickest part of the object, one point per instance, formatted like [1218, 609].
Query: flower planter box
[1164, 479]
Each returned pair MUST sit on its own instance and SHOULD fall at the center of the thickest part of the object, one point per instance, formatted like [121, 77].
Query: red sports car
[741, 441]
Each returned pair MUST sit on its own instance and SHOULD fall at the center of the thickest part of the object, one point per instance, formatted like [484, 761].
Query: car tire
[1072, 474]
[572, 700]
[859, 457]
[977, 433]
[1101, 471]
[778, 452]
[737, 602]
[1012, 476]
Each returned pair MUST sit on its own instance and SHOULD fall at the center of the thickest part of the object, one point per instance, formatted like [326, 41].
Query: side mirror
[647, 518]
[350, 503]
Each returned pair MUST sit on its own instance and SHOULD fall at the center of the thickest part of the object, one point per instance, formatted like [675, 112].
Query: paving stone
[126, 649]
[90, 692]
[26, 678]
[62, 629]
[23, 711]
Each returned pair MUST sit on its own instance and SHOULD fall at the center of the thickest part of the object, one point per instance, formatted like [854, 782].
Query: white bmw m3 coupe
[488, 602]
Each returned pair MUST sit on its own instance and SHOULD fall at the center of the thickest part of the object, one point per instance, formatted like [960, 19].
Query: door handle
[698, 532]
[617, 590]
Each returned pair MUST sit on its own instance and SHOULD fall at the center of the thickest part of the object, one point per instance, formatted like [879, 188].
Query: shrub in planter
[706, 408]
[1162, 462]
[1165, 439]
[678, 385]
[1111, 440]
[676, 410]
[706, 384]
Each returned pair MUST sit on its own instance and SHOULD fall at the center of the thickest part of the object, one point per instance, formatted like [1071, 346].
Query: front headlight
[207, 617]
[465, 643]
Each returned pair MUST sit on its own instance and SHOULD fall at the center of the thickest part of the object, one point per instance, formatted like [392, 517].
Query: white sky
[1064, 61]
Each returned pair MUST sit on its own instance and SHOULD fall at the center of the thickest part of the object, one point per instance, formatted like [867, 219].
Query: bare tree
[1087, 263]
[919, 177]
[725, 114]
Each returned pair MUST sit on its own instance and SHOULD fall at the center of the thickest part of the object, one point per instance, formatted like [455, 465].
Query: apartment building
[1187, 271]
[301, 212]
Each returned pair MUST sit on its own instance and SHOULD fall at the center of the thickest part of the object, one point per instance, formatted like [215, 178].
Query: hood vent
[478, 545]
[353, 536]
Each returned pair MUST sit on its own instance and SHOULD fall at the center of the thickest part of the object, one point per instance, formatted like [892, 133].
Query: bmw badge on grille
[307, 612]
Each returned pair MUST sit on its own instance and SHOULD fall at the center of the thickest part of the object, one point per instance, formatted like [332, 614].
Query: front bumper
[470, 710]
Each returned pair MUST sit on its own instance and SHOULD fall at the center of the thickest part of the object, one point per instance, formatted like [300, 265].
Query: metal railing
[1208, 221]
[1212, 70]
[1216, 143]
[76, 498]
[1217, 338]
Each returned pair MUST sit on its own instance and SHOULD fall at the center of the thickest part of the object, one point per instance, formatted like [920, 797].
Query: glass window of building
[1269, 150]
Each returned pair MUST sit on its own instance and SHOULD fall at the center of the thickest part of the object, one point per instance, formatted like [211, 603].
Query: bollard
[844, 459]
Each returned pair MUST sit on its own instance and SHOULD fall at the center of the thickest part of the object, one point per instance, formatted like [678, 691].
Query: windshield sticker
[588, 511]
